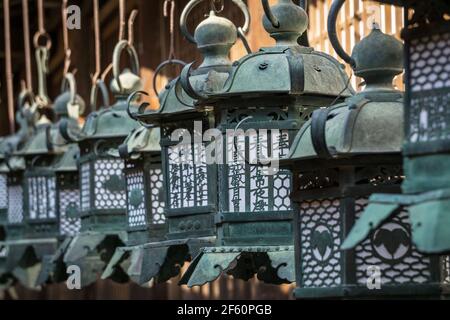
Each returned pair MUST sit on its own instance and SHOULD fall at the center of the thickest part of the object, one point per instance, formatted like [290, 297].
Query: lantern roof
[67, 161]
[371, 122]
[110, 122]
[141, 140]
[62, 102]
[286, 68]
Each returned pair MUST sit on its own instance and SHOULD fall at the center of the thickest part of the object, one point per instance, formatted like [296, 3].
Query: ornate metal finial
[378, 58]
[285, 22]
[215, 35]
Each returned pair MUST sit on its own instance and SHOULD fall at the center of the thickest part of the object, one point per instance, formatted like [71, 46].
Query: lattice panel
[157, 202]
[69, 199]
[320, 241]
[136, 203]
[42, 197]
[430, 62]
[85, 187]
[15, 204]
[3, 191]
[188, 180]
[266, 192]
[446, 269]
[429, 116]
[399, 261]
[3, 251]
[109, 184]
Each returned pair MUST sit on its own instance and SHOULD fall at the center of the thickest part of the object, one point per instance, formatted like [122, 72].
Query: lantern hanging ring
[193, 3]
[141, 108]
[161, 66]
[269, 14]
[99, 84]
[332, 34]
[134, 61]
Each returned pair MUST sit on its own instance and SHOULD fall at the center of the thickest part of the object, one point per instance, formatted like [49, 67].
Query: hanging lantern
[425, 196]
[266, 98]
[339, 158]
[102, 183]
[45, 154]
[68, 106]
[146, 221]
[189, 182]
[11, 170]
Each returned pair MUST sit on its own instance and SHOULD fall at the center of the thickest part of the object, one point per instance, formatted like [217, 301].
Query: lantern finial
[378, 58]
[285, 22]
[214, 37]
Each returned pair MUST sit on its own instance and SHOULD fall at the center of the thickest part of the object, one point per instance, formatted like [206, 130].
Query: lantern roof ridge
[299, 71]
[140, 140]
[110, 122]
[367, 123]
[67, 161]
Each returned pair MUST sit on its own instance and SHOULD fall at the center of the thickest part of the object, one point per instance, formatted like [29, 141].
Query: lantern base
[24, 259]
[158, 261]
[271, 264]
[432, 291]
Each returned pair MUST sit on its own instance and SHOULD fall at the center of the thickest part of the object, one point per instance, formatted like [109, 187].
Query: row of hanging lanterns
[123, 200]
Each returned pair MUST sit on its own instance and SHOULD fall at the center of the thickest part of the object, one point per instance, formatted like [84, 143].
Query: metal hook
[141, 108]
[269, 14]
[332, 34]
[120, 46]
[162, 66]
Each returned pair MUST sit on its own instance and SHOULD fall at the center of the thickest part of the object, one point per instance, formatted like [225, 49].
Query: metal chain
[26, 40]
[171, 16]
[8, 66]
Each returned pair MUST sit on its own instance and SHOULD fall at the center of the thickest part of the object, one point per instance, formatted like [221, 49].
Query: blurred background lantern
[426, 197]
[67, 106]
[146, 221]
[102, 182]
[11, 170]
[340, 157]
[265, 100]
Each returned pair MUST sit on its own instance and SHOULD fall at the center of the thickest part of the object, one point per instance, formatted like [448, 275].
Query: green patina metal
[189, 182]
[344, 154]
[275, 89]
[101, 178]
[11, 171]
[49, 181]
[425, 147]
[145, 205]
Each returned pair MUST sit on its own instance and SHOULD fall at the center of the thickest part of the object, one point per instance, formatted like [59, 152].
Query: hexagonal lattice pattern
[320, 241]
[400, 265]
[266, 192]
[430, 82]
[15, 204]
[109, 189]
[156, 185]
[69, 226]
[3, 191]
[41, 197]
[136, 211]
[430, 62]
[85, 187]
